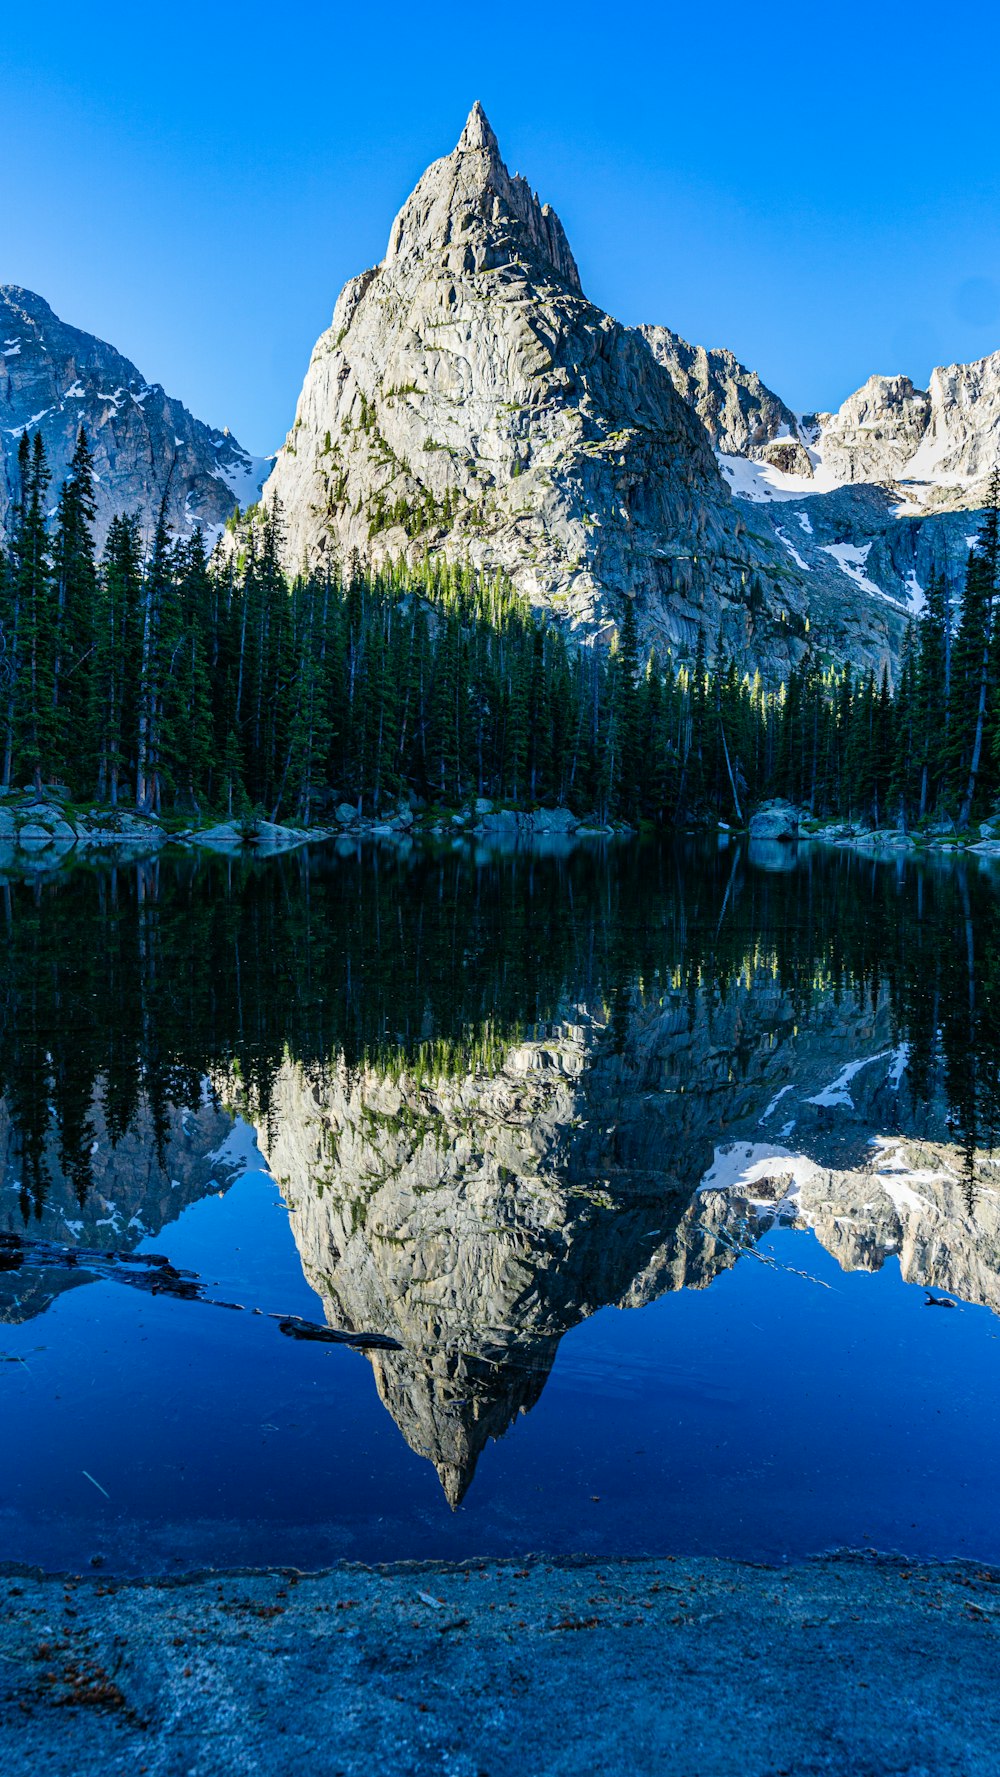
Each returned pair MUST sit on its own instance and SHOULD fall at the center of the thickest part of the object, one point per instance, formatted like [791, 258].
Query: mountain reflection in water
[498, 1094]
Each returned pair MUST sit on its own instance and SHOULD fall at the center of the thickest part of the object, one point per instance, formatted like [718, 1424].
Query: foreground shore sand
[700, 1668]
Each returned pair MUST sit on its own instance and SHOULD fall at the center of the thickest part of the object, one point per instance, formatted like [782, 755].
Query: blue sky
[816, 188]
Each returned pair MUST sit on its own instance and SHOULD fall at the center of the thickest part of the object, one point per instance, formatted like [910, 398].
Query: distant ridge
[55, 379]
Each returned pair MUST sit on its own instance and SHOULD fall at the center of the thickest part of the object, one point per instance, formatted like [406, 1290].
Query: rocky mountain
[887, 488]
[740, 414]
[933, 448]
[467, 399]
[147, 446]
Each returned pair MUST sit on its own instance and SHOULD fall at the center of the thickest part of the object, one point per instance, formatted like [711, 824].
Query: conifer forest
[166, 679]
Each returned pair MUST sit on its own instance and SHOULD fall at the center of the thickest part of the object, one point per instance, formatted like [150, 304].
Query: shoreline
[41, 834]
[706, 1668]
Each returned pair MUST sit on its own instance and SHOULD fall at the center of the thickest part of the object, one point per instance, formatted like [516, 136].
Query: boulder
[34, 834]
[554, 820]
[775, 820]
[227, 836]
[268, 837]
[119, 827]
[346, 814]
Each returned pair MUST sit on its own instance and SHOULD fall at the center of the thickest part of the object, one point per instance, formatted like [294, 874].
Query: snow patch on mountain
[851, 559]
[741, 1166]
[793, 552]
[246, 476]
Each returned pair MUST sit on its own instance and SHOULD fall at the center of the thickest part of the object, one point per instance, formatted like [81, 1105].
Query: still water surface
[654, 1183]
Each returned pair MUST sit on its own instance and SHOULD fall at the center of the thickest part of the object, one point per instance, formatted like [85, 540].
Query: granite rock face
[146, 446]
[469, 401]
[740, 414]
[876, 497]
[940, 443]
[876, 431]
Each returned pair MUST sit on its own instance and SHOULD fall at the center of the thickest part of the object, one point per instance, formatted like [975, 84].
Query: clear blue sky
[815, 187]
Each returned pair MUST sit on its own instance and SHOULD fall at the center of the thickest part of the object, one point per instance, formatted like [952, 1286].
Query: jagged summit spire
[470, 211]
[478, 132]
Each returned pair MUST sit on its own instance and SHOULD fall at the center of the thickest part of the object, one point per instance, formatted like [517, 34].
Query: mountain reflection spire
[589, 1082]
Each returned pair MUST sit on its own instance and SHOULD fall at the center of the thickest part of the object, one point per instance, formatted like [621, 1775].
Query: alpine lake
[374, 1203]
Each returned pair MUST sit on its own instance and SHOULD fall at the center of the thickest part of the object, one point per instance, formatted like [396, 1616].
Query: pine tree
[75, 592]
[34, 726]
[931, 717]
[976, 635]
[116, 662]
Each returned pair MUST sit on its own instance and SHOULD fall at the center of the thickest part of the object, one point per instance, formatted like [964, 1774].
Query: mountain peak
[35, 307]
[55, 378]
[469, 211]
[478, 132]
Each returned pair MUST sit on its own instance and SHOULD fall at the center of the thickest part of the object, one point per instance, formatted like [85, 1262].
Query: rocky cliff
[468, 400]
[886, 490]
[740, 414]
[938, 445]
[147, 447]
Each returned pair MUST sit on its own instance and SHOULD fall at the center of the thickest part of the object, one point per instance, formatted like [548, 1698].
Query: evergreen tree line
[162, 678]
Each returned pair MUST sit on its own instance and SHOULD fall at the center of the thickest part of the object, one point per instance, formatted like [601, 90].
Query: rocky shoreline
[702, 1668]
[40, 833]
[781, 823]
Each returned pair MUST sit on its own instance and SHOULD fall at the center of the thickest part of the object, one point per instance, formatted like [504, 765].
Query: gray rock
[267, 837]
[740, 414]
[877, 432]
[35, 834]
[467, 377]
[227, 836]
[775, 820]
[346, 814]
[553, 820]
[121, 828]
[147, 447]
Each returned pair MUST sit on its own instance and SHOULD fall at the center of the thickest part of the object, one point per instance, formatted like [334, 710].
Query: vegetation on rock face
[173, 681]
